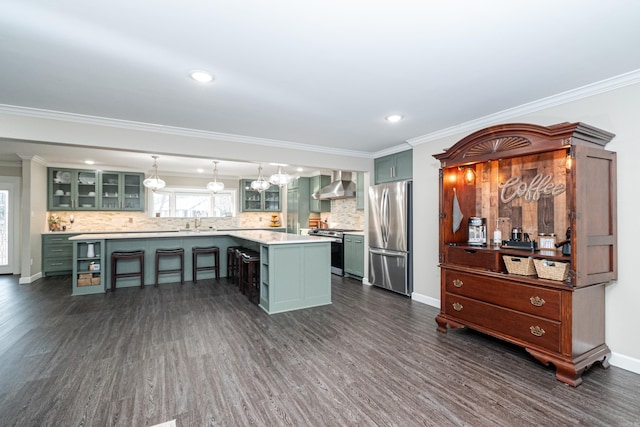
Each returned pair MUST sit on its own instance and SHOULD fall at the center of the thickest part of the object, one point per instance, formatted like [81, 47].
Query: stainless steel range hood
[341, 187]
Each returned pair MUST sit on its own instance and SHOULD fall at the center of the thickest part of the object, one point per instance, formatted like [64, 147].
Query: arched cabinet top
[517, 139]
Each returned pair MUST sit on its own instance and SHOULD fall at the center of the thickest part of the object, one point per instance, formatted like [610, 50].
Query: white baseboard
[31, 279]
[618, 360]
[625, 362]
[433, 302]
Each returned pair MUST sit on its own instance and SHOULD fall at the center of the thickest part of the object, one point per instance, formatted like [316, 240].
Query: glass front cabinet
[71, 189]
[255, 201]
[77, 190]
[527, 240]
[121, 191]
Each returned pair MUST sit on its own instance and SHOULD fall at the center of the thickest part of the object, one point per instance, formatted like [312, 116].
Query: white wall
[617, 111]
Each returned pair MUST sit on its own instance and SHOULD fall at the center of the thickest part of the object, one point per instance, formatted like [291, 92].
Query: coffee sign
[539, 185]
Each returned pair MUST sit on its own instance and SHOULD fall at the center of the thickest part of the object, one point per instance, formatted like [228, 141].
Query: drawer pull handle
[457, 306]
[470, 251]
[457, 283]
[537, 301]
[56, 250]
[56, 263]
[536, 330]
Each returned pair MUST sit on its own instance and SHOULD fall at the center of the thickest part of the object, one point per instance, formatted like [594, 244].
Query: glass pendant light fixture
[215, 186]
[280, 179]
[260, 184]
[153, 182]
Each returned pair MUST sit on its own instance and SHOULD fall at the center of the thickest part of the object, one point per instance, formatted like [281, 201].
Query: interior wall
[615, 111]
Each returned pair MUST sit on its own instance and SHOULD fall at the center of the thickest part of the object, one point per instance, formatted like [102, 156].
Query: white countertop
[264, 237]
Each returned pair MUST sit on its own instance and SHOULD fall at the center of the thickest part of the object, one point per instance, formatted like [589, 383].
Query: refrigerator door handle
[384, 213]
[387, 253]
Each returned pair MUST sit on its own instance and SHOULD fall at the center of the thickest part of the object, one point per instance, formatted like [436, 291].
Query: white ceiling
[320, 73]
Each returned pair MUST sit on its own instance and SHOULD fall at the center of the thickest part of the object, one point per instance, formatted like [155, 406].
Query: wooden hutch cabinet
[542, 180]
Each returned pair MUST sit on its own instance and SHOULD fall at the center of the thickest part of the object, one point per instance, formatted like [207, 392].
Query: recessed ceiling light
[200, 170]
[201, 76]
[394, 118]
[89, 162]
[299, 169]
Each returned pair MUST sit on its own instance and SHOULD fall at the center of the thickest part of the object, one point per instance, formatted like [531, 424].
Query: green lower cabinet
[354, 255]
[57, 254]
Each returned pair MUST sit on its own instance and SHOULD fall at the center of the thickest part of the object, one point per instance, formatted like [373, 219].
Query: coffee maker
[477, 231]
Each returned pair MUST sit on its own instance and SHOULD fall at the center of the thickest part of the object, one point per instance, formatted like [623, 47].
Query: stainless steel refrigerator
[390, 236]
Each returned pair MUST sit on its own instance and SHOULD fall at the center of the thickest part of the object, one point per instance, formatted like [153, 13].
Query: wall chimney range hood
[341, 187]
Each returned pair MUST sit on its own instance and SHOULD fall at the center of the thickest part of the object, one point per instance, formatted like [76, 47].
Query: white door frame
[12, 184]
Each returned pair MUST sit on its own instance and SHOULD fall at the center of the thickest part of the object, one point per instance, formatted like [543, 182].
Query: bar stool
[115, 256]
[232, 265]
[250, 273]
[208, 250]
[179, 252]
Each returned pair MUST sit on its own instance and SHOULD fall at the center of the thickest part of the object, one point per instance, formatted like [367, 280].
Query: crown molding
[392, 150]
[172, 130]
[586, 91]
[34, 158]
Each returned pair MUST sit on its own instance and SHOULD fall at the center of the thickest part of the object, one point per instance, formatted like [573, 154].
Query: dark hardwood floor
[203, 355]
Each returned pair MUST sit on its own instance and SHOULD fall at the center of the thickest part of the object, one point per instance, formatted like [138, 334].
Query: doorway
[9, 224]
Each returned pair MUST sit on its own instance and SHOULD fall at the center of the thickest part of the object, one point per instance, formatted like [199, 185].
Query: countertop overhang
[260, 236]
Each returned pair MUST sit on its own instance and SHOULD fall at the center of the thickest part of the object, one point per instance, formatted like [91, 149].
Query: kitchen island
[294, 269]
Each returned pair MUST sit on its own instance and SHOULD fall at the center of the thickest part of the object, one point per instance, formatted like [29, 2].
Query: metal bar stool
[250, 273]
[208, 250]
[115, 256]
[179, 252]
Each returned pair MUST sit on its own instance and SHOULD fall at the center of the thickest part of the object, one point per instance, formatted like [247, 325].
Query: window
[186, 203]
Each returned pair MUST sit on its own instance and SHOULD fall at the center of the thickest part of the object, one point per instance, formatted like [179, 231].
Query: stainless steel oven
[337, 246]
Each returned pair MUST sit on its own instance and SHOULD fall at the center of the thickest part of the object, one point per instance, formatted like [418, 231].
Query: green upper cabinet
[121, 191]
[84, 190]
[394, 167]
[360, 191]
[72, 189]
[316, 183]
[255, 201]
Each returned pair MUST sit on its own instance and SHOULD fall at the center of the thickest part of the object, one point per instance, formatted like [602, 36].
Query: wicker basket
[519, 265]
[553, 270]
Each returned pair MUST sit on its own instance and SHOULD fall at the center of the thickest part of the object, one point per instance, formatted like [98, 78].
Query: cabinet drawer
[58, 251]
[486, 259]
[540, 332]
[529, 299]
[61, 264]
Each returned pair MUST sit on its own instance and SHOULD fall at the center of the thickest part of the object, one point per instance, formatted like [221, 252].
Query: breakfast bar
[294, 269]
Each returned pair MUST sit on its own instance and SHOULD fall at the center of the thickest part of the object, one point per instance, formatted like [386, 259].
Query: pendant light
[280, 179]
[215, 186]
[260, 184]
[153, 182]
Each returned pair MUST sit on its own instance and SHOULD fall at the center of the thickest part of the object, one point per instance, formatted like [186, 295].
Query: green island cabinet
[90, 190]
[316, 183]
[354, 255]
[88, 265]
[294, 276]
[394, 167]
[255, 201]
[57, 254]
